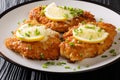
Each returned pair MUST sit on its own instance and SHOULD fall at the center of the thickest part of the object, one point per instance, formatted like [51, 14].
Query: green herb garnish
[67, 67]
[78, 67]
[71, 44]
[37, 32]
[27, 34]
[101, 19]
[42, 56]
[118, 29]
[30, 47]
[60, 63]
[104, 56]
[45, 65]
[113, 52]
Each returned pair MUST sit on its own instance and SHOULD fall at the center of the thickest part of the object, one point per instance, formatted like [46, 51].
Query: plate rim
[88, 70]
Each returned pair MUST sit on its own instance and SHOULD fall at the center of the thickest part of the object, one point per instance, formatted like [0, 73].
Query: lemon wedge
[90, 33]
[29, 33]
[53, 12]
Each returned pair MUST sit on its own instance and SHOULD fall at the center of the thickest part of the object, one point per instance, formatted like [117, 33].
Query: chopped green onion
[12, 32]
[18, 23]
[104, 56]
[60, 63]
[42, 56]
[71, 44]
[66, 15]
[37, 32]
[90, 38]
[78, 67]
[27, 34]
[30, 47]
[45, 66]
[112, 51]
[90, 27]
[67, 67]
[101, 19]
[24, 20]
[115, 42]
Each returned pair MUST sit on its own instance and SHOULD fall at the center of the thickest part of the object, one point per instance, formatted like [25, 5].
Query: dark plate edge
[13, 62]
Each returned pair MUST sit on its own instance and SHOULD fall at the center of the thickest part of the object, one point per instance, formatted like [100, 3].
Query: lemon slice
[90, 33]
[56, 13]
[29, 33]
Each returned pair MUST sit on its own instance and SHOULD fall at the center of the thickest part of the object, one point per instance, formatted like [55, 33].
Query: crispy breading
[36, 14]
[46, 50]
[81, 50]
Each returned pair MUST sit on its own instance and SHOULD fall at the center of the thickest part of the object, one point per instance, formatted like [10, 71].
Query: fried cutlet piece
[60, 26]
[42, 50]
[76, 50]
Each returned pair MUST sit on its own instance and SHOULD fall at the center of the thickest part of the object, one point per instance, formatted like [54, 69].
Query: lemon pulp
[90, 33]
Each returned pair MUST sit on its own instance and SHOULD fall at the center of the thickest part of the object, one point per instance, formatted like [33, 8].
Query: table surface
[9, 71]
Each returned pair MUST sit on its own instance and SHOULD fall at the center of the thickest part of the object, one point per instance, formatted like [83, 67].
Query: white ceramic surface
[9, 22]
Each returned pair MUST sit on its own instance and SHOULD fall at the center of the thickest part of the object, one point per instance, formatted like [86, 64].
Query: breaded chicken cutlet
[45, 49]
[38, 15]
[76, 50]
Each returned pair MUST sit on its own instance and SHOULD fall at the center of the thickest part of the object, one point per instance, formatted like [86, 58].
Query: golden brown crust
[60, 26]
[47, 50]
[82, 50]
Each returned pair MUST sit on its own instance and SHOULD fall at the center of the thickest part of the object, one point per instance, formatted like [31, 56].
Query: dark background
[9, 71]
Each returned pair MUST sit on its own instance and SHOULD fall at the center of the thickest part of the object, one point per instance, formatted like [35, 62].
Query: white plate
[9, 21]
